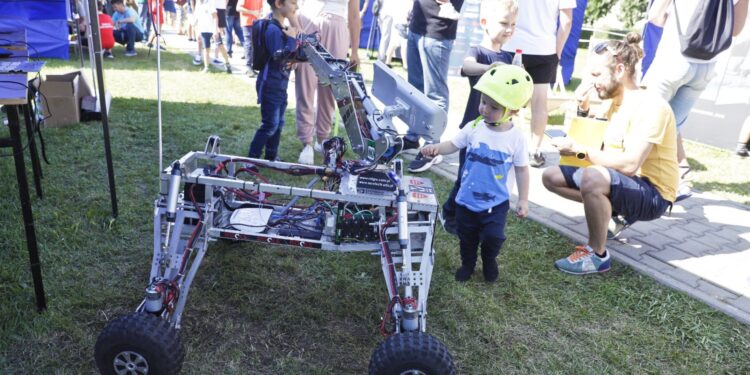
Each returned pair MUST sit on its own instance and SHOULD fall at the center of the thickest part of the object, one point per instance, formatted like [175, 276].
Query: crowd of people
[633, 175]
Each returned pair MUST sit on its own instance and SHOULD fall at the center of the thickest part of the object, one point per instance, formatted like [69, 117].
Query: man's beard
[609, 92]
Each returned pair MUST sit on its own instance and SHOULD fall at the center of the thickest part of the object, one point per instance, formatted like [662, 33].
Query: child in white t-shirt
[494, 146]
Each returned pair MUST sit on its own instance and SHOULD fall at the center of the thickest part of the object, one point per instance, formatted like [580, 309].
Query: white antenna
[157, 27]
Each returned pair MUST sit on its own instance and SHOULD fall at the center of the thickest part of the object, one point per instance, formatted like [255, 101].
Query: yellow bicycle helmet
[508, 85]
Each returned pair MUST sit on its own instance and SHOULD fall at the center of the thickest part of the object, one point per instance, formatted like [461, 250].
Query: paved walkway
[702, 249]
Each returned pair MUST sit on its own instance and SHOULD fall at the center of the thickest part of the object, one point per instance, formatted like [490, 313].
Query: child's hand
[429, 151]
[522, 208]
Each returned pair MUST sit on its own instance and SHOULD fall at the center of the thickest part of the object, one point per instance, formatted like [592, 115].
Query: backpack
[709, 31]
[261, 55]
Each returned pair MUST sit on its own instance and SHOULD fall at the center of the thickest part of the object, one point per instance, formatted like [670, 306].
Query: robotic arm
[371, 132]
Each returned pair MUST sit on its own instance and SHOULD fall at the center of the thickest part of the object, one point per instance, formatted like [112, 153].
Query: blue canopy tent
[45, 22]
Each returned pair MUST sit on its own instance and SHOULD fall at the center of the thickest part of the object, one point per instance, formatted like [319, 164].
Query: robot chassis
[203, 199]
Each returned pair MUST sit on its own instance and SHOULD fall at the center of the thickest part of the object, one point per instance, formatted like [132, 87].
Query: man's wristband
[582, 113]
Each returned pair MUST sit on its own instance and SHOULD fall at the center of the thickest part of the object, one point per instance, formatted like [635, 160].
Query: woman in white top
[338, 25]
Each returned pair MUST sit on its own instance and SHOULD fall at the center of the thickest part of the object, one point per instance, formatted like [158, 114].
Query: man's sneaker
[409, 144]
[742, 150]
[130, 53]
[490, 271]
[536, 159]
[583, 261]
[423, 163]
[306, 156]
[197, 60]
[616, 225]
[464, 273]
[251, 73]
[216, 61]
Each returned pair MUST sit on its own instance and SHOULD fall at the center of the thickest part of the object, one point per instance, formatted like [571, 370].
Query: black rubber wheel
[139, 344]
[411, 353]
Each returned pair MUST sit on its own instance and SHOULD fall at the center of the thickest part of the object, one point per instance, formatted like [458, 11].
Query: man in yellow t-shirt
[634, 176]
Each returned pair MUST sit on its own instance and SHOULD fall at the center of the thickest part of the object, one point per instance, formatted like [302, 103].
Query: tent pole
[97, 46]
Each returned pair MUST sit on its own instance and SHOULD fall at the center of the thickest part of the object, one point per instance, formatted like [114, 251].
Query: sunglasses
[605, 46]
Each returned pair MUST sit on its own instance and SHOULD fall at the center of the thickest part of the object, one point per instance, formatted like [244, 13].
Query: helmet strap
[506, 116]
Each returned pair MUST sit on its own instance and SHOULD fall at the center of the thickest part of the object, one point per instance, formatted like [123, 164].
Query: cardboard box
[63, 93]
[90, 107]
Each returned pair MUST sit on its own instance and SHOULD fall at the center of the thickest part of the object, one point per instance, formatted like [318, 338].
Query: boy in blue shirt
[498, 19]
[128, 29]
[273, 80]
[493, 146]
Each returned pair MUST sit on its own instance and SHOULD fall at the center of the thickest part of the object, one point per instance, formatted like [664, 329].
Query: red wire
[391, 274]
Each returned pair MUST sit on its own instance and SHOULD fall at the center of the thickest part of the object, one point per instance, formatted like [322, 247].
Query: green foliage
[596, 9]
[631, 11]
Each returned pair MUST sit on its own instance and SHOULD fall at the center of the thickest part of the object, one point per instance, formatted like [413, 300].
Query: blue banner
[651, 39]
[568, 58]
[369, 36]
[45, 22]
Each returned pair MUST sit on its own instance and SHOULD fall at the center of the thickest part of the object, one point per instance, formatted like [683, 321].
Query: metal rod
[97, 46]
[28, 217]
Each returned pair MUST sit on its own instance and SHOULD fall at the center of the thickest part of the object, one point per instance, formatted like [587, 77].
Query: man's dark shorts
[541, 68]
[221, 15]
[635, 197]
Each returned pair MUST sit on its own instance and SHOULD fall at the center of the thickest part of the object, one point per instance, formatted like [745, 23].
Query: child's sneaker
[306, 156]
[228, 68]
[583, 261]
[422, 163]
[464, 273]
[490, 271]
[536, 159]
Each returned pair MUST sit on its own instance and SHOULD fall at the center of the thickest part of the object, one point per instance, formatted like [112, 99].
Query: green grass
[271, 310]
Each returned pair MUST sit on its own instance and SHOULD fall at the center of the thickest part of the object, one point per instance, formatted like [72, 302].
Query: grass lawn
[273, 310]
